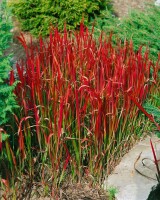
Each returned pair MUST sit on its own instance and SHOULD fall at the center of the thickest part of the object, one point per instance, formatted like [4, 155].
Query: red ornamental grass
[80, 89]
[155, 161]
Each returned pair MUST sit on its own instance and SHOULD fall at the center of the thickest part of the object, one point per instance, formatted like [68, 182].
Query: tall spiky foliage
[80, 102]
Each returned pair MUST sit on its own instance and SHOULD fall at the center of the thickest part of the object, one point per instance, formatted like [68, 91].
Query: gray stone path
[130, 184]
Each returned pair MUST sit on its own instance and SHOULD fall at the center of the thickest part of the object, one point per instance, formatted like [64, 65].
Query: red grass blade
[155, 160]
[145, 112]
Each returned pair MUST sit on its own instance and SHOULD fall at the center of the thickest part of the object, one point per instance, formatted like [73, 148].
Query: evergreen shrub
[37, 16]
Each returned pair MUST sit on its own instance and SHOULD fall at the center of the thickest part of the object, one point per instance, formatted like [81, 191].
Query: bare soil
[123, 7]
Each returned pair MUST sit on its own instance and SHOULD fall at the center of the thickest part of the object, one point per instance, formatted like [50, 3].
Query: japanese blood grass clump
[78, 112]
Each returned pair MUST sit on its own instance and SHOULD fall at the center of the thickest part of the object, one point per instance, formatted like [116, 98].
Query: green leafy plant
[153, 108]
[7, 98]
[112, 191]
[37, 16]
[4, 137]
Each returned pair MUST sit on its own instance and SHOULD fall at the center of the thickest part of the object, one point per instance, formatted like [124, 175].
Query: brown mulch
[85, 190]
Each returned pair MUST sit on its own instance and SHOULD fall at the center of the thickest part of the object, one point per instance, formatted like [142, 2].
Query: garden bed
[54, 94]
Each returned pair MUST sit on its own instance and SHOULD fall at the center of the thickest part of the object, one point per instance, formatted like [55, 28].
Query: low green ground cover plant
[7, 98]
[112, 192]
[152, 106]
[37, 16]
[79, 102]
[141, 27]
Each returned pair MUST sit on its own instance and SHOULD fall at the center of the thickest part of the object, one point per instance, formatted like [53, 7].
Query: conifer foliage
[36, 16]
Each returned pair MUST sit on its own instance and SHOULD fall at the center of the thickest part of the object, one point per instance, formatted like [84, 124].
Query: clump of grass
[78, 100]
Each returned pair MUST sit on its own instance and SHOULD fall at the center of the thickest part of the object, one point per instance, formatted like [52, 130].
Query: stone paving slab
[130, 184]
